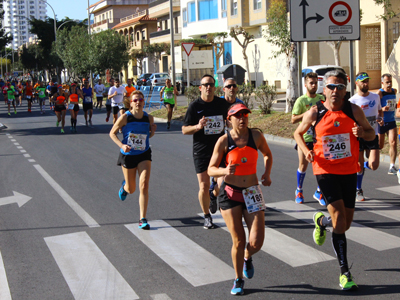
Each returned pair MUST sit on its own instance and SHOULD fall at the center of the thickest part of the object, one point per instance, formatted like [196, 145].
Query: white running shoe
[392, 171]
[360, 195]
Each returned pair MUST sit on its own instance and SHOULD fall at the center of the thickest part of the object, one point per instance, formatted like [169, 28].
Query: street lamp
[64, 23]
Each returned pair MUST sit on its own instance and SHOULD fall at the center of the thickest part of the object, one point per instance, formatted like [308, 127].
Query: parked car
[142, 79]
[158, 79]
[321, 70]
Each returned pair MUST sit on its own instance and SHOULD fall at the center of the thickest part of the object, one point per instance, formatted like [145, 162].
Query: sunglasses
[208, 84]
[136, 100]
[241, 114]
[339, 86]
[231, 85]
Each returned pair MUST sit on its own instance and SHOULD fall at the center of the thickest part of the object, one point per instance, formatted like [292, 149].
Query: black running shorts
[132, 161]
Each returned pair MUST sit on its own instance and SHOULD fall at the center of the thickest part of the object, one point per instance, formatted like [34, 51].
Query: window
[234, 9]
[396, 32]
[184, 17]
[208, 9]
[32, 7]
[191, 12]
[138, 36]
[223, 8]
[143, 34]
[227, 53]
[257, 4]
[176, 25]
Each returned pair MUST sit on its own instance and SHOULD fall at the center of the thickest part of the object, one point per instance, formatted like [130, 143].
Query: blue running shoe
[122, 192]
[248, 268]
[237, 288]
[143, 224]
[319, 197]
[299, 196]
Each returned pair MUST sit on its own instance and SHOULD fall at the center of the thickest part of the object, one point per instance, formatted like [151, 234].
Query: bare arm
[121, 122]
[262, 145]
[308, 119]
[362, 129]
[218, 153]
[153, 126]
[296, 118]
[162, 90]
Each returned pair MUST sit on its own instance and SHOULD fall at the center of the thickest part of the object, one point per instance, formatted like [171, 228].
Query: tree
[388, 9]
[155, 50]
[247, 39]
[217, 41]
[5, 38]
[278, 34]
[138, 55]
[335, 45]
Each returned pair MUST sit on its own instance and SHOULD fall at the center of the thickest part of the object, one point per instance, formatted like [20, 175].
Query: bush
[265, 95]
[192, 93]
[219, 91]
[244, 94]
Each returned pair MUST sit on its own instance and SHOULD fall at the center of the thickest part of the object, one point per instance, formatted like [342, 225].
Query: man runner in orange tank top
[337, 124]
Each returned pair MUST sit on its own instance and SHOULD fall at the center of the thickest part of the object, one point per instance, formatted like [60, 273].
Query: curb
[273, 138]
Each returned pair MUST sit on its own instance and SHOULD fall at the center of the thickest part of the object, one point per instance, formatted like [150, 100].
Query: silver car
[321, 70]
[158, 79]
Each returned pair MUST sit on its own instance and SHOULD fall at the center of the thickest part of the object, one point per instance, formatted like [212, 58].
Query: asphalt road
[74, 238]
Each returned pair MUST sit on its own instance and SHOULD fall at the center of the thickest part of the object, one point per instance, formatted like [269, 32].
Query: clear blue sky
[73, 9]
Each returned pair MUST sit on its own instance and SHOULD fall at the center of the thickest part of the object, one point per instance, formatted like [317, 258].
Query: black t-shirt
[204, 140]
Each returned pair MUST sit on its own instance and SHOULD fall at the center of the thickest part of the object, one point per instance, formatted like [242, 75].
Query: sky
[73, 9]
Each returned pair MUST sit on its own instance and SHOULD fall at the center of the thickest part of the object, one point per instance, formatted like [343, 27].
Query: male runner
[169, 92]
[108, 101]
[301, 106]
[388, 103]
[99, 90]
[87, 101]
[337, 125]
[51, 90]
[28, 94]
[42, 97]
[11, 98]
[127, 96]
[205, 120]
[116, 94]
[371, 105]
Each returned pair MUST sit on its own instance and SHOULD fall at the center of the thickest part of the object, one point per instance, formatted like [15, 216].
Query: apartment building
[16, 18]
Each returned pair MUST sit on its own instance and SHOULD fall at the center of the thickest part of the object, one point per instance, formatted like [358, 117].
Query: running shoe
[208, 223]
[29, 110]
[319, 197]
[71, 129]
[213, 198]
[15, 111]
[346, 282]
[57, 123]
[237, 288]
[87, 123]
[143, 224]
[392, 171]
[360, 195]
[248, 268]
[122, 192]
[319, 233]
[90, 122]
[107, 119]
[9, 114]
[62, 130]
[299, 196]
[168, 125]
[398, 176]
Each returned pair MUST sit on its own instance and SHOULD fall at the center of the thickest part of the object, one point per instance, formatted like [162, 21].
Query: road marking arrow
[18, 198]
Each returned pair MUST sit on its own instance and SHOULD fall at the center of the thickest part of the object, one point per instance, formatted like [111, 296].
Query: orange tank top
[74, 98]
[60, 100]
[245, 157]
[336, 148]
[129, 90]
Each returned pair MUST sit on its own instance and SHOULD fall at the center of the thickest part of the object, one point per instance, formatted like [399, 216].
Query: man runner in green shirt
[169, 99]
[41, 89]
[11, 98]
[302, 105]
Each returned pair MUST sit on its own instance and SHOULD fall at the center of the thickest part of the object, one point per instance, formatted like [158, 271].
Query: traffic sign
[188, 47]
[327, 20]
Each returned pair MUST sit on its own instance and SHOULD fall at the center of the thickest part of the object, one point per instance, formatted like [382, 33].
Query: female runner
[240, 194]
[59, 99]
[73, 106]
[135, 153]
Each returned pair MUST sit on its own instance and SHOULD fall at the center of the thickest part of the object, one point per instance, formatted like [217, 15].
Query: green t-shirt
[169, 95]
[10, 93]
[41, 92]
[302, 105]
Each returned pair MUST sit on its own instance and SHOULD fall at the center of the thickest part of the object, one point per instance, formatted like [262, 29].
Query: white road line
[160, 297]
[20, 147]
[13, 140]
[16, 144]
[7, 134]
[31, 160]
[22, 151]
[380, 208]
[283, 247]
[87, 271]
[391, 189]
[361, 234]
[4, 288]
[27, 155]
[194, 263]
[67, 198]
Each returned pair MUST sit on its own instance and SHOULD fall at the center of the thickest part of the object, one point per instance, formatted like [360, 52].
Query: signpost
[188, 47]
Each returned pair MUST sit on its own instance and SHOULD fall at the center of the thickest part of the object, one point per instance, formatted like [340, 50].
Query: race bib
[88, 99]
[253, 198]
[336, 146]
[169, 95]
[214, 125]
[28, 97]
[137, 141]
[71, 106]
[121, 105]
[392, 104]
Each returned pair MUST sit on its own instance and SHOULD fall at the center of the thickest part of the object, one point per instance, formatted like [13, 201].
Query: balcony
[164, 36]
[135, 15]
[159, 33]
[104, 24]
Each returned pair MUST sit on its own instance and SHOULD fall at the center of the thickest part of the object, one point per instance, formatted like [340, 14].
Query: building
[16, 18]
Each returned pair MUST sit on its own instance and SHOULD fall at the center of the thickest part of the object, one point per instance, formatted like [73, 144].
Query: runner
[371, 105]
[35, 92]
[74, 95]
[335, 163]
[42, 97]
[240, 189]
[19, 89]
[388, 103]
[99, 90]
[116, 94]
[169, 92]
[28, 94]
[59, 100]
[87, 93]
[108, 101]
[205, 120]
[127, 96]
[135, 153]
[51, 90]
[301, 106]
[11, 98]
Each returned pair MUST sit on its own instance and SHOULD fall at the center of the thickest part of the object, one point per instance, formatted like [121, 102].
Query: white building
[16, 18]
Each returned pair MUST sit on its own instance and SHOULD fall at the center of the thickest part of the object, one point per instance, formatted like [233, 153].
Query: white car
[158, 79]
[321, 70]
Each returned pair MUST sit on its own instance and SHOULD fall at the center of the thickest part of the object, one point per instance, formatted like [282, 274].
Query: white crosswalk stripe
[182, 254]
[4, 289]
[380, 208]
[367, 236]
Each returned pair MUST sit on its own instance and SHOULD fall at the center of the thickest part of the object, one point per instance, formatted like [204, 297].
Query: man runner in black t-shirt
[205, 120]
